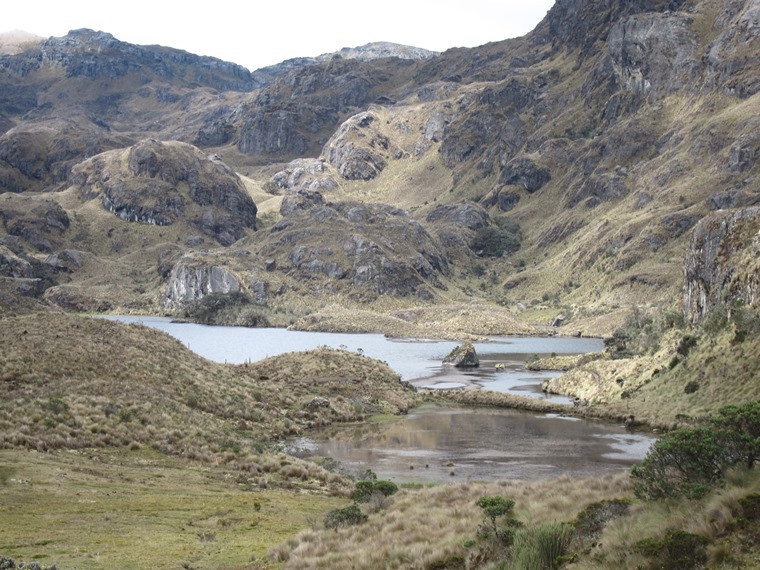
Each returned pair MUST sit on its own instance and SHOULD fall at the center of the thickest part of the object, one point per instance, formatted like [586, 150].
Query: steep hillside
[606, 134]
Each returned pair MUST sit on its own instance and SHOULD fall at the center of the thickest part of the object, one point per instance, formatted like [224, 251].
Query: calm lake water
[433, 444]
[464, 444]
[416, 361]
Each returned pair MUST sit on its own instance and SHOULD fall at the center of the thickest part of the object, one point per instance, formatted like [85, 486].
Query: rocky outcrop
[41, 223]
[36, 156]
[98, 55]
[365, 249]
[463, 356]
[723, 262]
[193, 279]
[359, 150]
[303, 174]
[300, 201]
[654, 52]
[11, 265]
[161, 183]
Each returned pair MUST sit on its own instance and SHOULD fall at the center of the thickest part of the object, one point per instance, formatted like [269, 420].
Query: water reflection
[460, 444]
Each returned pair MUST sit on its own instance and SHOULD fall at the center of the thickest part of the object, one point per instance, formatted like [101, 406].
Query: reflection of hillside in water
[432, 443]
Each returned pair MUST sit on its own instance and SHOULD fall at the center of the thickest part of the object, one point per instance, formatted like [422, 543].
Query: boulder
[463, 356]
[191, 280]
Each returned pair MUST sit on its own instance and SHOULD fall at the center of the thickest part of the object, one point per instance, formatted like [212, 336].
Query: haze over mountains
[131, 174]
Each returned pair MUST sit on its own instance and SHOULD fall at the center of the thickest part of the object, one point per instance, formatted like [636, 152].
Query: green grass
[116, 508]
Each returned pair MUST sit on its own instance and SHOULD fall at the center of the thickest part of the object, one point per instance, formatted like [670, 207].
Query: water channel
[441, 444]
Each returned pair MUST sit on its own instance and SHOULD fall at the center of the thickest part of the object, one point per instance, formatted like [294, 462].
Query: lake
[416, 361]
[434, 444]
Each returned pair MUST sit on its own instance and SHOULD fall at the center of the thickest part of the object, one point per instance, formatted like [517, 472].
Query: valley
[598, 177]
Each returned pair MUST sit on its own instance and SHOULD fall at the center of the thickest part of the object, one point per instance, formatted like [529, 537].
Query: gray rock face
[654, 52]
[730, 63]
[156, 183]
[191, 280]
[723, 262]
[303, 174]
[358, 150]
[463, 356]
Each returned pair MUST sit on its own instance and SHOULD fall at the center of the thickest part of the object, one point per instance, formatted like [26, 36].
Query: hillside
[603, 150]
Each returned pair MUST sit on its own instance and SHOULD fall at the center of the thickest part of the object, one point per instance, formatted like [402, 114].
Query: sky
[258, 34]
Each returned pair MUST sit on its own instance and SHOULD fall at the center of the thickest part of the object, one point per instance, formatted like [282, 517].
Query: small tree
[683, 462]
[495, 506]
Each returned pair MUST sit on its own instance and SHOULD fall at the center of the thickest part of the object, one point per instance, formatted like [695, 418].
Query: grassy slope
[141, 509]
[85, 382]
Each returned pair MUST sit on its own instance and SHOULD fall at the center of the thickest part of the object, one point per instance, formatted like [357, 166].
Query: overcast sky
[259, 34]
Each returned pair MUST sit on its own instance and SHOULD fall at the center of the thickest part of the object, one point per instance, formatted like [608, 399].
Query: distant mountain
[605, 135]
[15, 41]
[367, 52]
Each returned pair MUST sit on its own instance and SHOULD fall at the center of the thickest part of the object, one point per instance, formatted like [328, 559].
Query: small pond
[434, 444]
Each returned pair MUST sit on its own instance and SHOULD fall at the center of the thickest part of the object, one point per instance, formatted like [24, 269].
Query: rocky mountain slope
[606, 135]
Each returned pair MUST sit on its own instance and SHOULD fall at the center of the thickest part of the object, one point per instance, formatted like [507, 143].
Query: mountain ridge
[602, 149]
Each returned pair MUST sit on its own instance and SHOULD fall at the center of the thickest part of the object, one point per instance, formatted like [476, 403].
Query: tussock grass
[75, 383]
[429, 528]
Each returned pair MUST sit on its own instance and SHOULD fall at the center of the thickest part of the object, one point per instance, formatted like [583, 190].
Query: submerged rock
[463, 356]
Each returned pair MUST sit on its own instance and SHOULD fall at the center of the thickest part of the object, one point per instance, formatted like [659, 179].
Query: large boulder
[192, 279]
[463, 356]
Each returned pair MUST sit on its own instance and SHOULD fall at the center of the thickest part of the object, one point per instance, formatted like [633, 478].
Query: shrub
[691, 461]
[686, 344]
[683, 462]
[678, 549]
[495, 506]
[346, 516]
[739, 432]
[691, 387]
[367, 487]
[498, 239]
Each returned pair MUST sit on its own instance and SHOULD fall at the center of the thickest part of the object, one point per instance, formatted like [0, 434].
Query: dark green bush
[502, 237]
[739, 432]
[234, 308]
[677, 549]
[365, 488]
[691, 387]
[685, 462]
[495, 506]
[691, 461]
[346, 516]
